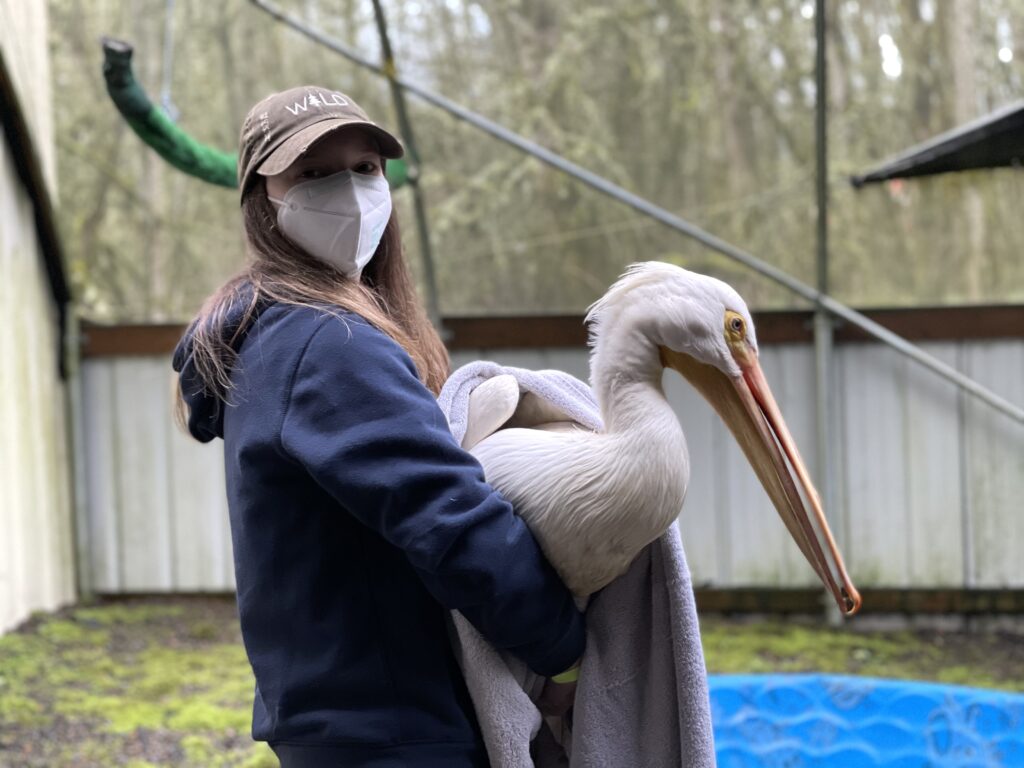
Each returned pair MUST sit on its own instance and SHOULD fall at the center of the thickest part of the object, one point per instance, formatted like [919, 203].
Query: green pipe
[172, 143]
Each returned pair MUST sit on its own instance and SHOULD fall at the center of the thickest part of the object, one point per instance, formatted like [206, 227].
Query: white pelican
[595, 500]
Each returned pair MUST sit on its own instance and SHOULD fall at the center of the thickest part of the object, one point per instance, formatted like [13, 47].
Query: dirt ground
[164, 681]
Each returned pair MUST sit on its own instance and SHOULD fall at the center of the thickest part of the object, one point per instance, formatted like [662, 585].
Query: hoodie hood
[206, 407]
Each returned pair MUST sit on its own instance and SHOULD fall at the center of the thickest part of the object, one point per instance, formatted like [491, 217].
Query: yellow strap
[569, 676]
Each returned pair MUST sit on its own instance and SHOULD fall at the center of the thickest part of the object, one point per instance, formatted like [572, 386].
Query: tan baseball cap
[284, 125]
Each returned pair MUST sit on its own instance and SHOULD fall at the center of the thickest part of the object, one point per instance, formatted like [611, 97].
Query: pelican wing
[491, 404]
[587, 499]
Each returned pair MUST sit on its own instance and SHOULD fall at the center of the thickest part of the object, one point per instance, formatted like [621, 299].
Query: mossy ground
[164, 682]
[983, 660]
[140, 683]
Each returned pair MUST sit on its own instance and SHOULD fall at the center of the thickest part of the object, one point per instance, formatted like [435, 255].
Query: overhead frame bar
[658, 213]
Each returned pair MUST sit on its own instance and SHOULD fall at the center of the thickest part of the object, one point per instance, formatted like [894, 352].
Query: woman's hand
[556, 698]
[559, 692]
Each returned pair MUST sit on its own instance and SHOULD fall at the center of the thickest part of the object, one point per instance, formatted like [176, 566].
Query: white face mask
[339, 219]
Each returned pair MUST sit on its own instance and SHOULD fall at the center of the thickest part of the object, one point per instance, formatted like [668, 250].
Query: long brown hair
[280, 271]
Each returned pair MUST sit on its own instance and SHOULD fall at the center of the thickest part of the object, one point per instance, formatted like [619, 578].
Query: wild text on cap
[319, 100]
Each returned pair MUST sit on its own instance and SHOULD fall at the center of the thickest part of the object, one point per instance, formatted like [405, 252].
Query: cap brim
[289, 150]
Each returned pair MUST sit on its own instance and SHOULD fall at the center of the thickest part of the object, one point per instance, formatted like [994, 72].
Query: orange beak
[748, 408]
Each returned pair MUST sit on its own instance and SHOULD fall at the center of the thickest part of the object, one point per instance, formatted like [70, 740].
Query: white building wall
[36, 548]
[23, 42]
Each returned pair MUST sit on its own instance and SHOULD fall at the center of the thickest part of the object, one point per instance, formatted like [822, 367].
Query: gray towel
[642, 698]
[566, 393]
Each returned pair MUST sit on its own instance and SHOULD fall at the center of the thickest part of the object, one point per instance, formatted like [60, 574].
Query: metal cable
[168, 74]
[667, 218]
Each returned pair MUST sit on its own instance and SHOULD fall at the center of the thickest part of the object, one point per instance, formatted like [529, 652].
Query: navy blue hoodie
[357, 521]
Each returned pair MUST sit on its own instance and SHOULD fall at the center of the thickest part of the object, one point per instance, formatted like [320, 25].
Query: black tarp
[993, 141]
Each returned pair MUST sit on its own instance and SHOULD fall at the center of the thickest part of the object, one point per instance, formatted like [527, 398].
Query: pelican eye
[735, 327]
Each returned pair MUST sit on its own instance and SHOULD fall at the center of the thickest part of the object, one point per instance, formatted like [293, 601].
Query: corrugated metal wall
[36, 560]
[930, 483]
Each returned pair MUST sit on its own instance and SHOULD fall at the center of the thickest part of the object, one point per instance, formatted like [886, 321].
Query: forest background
[705, 107]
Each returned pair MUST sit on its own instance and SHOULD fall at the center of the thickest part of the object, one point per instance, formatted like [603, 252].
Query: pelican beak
[748, 408]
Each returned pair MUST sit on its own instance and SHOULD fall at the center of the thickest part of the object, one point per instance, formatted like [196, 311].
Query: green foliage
[704, 107]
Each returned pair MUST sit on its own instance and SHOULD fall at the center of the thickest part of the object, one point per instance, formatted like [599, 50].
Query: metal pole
[667, 218]
[168, 75]
[390, 71]
[823, 359]
[74, 419]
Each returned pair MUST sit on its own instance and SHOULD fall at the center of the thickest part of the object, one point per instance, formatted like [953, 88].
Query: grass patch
[979, 660]
[165, 682]
[129, 684]
[126, 614]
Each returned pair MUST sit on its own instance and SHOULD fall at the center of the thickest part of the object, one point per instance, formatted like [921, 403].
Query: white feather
[594, 501]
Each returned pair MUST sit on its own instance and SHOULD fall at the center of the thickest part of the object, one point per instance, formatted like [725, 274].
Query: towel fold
[642, 697]
[565, 393]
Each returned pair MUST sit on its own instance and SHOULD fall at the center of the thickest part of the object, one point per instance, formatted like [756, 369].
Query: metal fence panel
[995, 468]
[930, 480]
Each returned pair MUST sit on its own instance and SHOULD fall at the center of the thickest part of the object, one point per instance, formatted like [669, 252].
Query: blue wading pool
[805, 721]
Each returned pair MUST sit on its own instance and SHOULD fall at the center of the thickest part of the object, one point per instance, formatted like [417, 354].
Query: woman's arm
[372, 436]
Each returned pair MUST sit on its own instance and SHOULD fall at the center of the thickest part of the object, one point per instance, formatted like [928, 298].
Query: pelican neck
[627, 383]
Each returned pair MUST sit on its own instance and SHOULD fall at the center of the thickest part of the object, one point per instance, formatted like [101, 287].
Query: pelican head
[702, 328]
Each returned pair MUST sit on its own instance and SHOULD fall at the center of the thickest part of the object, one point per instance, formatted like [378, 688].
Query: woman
[357, 521]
